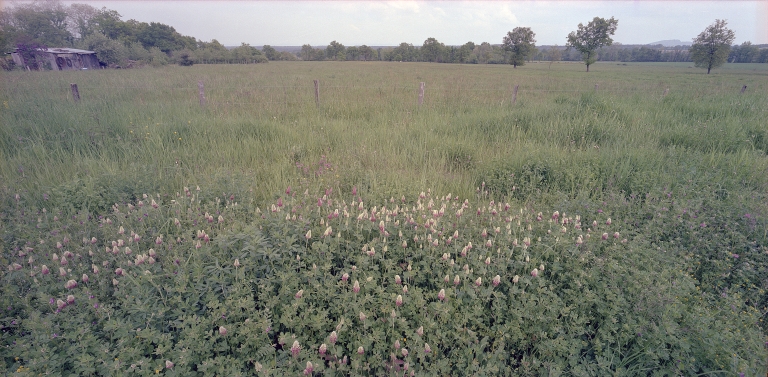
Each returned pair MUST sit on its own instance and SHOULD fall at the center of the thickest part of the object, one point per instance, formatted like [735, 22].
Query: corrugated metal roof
[67, 50]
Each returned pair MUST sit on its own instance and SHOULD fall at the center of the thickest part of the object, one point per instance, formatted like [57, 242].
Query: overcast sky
[386, 23]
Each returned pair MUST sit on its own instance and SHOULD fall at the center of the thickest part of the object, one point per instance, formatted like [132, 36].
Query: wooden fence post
[421, 93]
[317, 93]
[597, 86]
[75, 92]
[666, 91]
[201, 92]
[743, 89]
[514, 95]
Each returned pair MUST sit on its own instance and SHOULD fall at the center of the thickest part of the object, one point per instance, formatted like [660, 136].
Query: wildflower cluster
[327, 284]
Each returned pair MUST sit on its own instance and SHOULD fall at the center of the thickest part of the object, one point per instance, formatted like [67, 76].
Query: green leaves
[521, 43]
[587, 39]
[710, 49]
[599, 305]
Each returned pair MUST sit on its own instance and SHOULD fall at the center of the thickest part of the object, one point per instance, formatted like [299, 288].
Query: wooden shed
[59, 59]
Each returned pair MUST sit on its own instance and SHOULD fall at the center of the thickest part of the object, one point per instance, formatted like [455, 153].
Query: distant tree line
[486, 53]
[27, 27]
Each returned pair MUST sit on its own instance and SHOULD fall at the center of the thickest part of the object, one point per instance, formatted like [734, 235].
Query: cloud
[506, 15]
[395, 6]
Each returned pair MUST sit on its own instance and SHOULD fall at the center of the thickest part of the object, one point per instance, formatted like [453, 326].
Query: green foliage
[335, 50]
[710, 49]
[270, 52]
[108, 51]
[179, 283]
[679, 175]
[520, 43]
[42, 23]
[184, 58]
[432, 50]
[587, 39]
[157, 57]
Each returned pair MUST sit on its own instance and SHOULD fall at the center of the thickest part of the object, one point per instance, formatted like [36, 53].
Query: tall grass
[146, 127]
[684, 175]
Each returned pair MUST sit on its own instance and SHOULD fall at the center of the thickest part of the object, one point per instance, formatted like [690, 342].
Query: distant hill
[671, 43]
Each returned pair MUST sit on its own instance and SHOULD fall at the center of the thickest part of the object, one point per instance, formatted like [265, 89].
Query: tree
[80, 18]
[483, 52]
[335, 50]
[710, 49]
[432, 50]
[365, 52]
[43, 23]
[746, 53]
[520, 42]
[108, 22]
[352, 53]
[555, 55]
[164, 37]
[587, 39]
[270, 52]
[108, 51]
[463, 53]
[405, 52]
[306, 52]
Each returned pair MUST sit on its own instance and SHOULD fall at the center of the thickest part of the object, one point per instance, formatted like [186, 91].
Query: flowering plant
[276, 295]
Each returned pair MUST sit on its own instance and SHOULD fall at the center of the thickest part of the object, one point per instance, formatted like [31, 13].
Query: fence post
[514, 95]
[75, 92]
[201, 92]
[743, 89]
[666, 91]
[317, 93]
[597, 86]
[421, 93]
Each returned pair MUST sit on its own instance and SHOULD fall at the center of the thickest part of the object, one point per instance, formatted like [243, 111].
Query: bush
[108, 51]
[184, 58]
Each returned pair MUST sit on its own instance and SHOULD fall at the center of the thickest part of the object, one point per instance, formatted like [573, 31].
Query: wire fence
[418, 93]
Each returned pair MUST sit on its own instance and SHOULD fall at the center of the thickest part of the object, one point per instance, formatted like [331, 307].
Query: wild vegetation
[611, 223]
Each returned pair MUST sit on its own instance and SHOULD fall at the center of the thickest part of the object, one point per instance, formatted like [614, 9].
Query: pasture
[656, 262]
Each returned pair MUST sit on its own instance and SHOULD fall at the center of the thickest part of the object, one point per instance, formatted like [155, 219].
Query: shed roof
[65, 50]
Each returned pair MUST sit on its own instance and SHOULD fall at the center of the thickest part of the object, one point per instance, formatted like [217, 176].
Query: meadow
[216, 238]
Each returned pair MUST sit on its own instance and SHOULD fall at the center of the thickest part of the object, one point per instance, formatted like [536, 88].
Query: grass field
[675, 157]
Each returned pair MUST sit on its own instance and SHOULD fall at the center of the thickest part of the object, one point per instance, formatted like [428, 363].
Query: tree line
[28, 27]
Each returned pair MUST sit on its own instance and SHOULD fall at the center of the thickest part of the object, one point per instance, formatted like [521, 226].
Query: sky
[389, 23]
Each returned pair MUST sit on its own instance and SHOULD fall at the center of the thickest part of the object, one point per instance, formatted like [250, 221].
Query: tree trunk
[587, 67]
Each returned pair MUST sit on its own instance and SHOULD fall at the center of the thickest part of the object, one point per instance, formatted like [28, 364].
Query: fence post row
[317, 93]
[201, 92]
[76, 93]
[514, 95]
[421, 93]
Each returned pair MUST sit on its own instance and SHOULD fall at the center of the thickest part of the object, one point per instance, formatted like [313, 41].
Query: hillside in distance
[671, 43]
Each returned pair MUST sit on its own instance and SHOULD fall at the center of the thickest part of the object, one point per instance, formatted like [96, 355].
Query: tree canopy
[711, 48]
[587, 39]
[520, 43]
